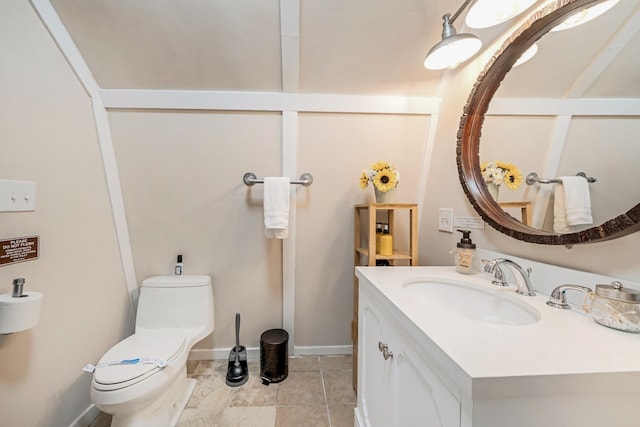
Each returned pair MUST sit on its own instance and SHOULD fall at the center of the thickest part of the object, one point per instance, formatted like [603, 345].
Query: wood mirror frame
[468, 145]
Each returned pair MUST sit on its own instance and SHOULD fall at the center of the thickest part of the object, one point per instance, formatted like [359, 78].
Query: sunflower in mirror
[499, 173]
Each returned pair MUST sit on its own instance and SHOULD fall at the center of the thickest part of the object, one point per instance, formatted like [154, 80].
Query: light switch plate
[445, 220]
[17, 196]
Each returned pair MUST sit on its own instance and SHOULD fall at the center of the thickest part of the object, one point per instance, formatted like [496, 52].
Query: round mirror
[493, 208]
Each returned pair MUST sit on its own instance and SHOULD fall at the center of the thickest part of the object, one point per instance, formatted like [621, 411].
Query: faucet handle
[558, 297]
[498, 277]
[490, 264]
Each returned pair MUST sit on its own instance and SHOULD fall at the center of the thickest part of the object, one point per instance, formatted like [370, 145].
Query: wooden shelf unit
[526, 210]
[366, 255]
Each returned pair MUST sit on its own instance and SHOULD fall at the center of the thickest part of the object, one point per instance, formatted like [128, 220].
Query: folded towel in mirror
[572, 204]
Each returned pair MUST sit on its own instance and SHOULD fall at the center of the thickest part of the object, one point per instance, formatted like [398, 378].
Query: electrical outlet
[445, 220]
[17, 196]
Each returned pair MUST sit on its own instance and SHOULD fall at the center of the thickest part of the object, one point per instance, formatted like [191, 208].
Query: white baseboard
[254, 352]
[90, 414]
[328, 350]
[220, 354]
[357, 422]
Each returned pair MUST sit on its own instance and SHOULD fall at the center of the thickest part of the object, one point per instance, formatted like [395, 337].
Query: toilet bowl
[142, 381]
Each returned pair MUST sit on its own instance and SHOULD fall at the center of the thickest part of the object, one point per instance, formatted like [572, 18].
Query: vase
[386, 197]
[493, 190]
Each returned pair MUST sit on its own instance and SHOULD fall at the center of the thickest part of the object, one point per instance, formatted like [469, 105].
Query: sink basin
[471, 301]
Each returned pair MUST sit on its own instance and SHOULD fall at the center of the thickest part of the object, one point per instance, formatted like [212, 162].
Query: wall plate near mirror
[470, 157]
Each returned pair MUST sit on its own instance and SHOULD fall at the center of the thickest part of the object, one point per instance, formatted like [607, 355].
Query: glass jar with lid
[616, 307]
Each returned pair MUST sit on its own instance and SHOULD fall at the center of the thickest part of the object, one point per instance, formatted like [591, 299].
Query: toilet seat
[161, 344]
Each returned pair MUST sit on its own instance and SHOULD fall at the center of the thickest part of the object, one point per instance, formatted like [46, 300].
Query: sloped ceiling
[182, 44]
[600, 59]
[330, 46]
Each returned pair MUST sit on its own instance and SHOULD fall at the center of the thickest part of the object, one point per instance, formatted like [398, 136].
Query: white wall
[337, 148]
[181, 175]
[48, 136]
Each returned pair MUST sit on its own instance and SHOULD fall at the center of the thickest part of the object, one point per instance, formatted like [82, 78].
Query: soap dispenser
[466, 259]
[386, 241]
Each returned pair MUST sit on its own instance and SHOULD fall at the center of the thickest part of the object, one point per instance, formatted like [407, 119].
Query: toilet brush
[237, 372]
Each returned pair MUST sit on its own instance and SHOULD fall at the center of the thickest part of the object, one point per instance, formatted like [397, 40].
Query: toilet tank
[176, 302]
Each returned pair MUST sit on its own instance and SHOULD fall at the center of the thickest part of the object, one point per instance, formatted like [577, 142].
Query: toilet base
[182, 402]
[165, 412]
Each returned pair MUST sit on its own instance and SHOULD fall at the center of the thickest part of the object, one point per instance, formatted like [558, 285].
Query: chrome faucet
[524, 281]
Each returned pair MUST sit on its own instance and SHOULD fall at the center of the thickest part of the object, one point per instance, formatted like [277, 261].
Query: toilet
[142, 381]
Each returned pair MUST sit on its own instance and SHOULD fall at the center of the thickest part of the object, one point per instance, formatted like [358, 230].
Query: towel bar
[250, 179]
[533, 178]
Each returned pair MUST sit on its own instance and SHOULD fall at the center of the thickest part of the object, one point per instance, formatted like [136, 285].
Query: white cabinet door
[420, 398]
[374, 372]
[396, 386]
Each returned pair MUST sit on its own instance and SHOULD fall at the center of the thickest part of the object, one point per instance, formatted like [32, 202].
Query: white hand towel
[559, 213]
[276, 207]
[572, 204]
[577, 200]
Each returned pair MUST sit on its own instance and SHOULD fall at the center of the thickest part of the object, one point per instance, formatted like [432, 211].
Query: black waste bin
[274, 356]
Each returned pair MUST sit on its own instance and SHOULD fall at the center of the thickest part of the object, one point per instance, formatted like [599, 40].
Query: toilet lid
[159, 344]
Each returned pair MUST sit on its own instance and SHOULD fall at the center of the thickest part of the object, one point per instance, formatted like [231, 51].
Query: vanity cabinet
[444, 368]
[365, 251]
[396, 384]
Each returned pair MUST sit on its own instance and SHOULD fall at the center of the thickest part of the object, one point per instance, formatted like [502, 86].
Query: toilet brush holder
[237, 370]
[242, 355]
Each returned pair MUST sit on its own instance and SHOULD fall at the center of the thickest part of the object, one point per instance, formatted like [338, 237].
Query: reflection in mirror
[585, 15]
[563, 146]
[602, 147]
[572, 108]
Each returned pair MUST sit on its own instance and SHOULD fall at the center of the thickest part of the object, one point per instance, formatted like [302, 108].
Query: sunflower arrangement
[499, 173]
[382, 175]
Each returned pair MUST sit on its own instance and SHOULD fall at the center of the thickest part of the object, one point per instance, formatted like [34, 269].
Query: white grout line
[324, 390]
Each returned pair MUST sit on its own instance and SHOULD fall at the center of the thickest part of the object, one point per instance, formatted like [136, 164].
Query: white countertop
[563, 343]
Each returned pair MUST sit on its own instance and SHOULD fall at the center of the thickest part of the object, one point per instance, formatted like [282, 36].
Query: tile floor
[316, 393]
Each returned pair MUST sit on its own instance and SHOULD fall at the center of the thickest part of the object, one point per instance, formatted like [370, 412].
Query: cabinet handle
[385, 350]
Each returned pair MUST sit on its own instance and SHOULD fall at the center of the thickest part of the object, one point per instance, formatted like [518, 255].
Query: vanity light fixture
[454, 48]
[487, 13]
[586, 15]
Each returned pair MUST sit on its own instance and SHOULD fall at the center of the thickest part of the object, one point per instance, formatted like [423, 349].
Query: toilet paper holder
[19, 310]
[18, 287]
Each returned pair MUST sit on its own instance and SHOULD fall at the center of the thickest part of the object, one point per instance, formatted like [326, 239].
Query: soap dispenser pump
[465, 254]
[178, 269]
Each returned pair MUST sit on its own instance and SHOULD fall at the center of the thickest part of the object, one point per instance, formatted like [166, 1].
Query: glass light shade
[586, 15]
[527, 55]
[452, 51]
[487, 13]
